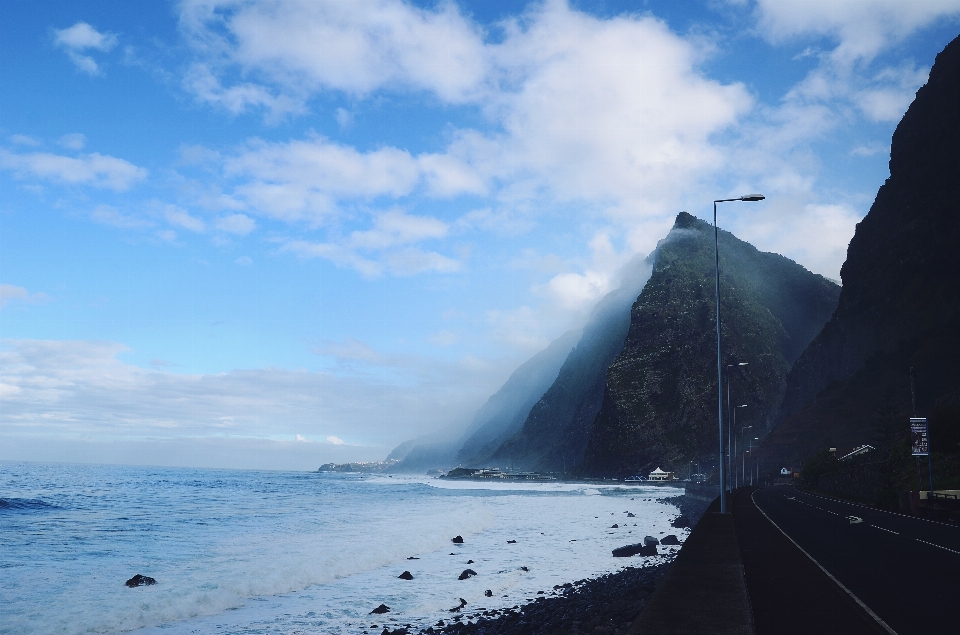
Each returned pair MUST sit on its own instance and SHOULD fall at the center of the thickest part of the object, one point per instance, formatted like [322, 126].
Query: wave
[24, 504]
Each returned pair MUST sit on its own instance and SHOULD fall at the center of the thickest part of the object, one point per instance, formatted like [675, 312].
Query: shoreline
[608, 604]
[611, 603]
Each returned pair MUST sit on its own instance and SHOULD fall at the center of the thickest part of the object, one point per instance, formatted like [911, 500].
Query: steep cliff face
[659, 403]
[553, 434]
[900, 304]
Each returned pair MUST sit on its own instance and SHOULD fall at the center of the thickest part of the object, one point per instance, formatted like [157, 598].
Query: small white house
[660, 475]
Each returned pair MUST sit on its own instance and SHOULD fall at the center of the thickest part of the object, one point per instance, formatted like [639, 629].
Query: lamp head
[743, 363]
[752, 197]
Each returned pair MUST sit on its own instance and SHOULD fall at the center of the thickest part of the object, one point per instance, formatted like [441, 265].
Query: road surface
[900, 569]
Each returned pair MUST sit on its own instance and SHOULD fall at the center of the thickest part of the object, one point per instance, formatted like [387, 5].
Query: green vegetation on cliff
[659, 403]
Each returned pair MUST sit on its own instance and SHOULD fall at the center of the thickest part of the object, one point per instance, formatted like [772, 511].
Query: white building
[660, 475]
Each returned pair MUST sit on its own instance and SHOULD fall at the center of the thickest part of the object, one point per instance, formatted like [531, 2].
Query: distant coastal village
[375, 467]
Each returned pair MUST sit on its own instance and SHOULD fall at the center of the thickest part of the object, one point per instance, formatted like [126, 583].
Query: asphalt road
[905, 570]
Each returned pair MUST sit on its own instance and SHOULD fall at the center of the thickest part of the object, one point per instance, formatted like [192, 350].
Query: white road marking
[866, 608]
[895, 533]
[940, 546]
[854, 520]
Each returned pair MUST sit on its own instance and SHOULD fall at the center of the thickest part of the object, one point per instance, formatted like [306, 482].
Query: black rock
[633, 550]
[680, 522]
[406, 575]
[140, 580]
[463, 603]
[524, 569]
[412, 558]
[467, 573]
[615, 526]
[488, 593]
[670, 540]
[631, 515]
[458, 540]
[511, 542]
[469, 561]
[650, 541]
[383, 608]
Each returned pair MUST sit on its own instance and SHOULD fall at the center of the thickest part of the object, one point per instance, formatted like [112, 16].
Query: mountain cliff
[900, 304]
[554, 434]
[659, 403]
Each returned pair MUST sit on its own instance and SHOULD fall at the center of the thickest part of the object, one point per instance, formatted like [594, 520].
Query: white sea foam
[273, 552]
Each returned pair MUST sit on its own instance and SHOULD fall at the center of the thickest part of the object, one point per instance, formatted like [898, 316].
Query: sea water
[294, 552]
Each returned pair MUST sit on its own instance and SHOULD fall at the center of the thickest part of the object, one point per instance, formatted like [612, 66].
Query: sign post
[920, 442]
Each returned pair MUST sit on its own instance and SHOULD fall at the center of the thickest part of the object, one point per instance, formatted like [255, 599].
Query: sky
[275, 234]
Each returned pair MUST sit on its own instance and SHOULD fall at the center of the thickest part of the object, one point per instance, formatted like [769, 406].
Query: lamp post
[716, 247]
[752, 439]
[737, 483]
[743, 456]
[730, 466]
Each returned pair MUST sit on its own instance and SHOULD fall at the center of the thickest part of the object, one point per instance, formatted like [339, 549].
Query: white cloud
[24, 140]
[181, 218]
[862, 28]
[386, 247]
[239, 224]
[9, 293]
[334, 440]
[356, 47]
[108, 215]
[301, 180]
[83, 37]
[88, 169]
[73, 141]
[65, 389]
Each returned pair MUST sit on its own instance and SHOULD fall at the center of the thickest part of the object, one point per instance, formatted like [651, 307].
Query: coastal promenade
[788, 562]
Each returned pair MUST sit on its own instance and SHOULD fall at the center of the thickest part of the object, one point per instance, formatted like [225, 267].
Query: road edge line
[859, 602]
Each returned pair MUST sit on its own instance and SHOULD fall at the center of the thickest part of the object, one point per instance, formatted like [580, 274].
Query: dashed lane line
[932, 544]
[859, 602]
[895, 533]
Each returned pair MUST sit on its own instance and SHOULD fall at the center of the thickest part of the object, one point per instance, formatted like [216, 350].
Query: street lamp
[730, 467]
[743, 456]
[737, 484]
[716, 246]
[752, 439]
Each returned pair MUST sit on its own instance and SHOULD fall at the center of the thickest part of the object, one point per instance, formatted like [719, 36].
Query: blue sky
[272, 234]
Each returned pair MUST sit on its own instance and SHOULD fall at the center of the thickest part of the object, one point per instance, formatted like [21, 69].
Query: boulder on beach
[633, 550]
[140, 580]
[615, 526]
[511, 542]
[524, 569]
[670, 540]
[680, 522]
[488, 593]
[412, 558]
[458, 540]
[463, 603]
[650, 540]
[631, 515]
[406, 575]
[469, 561]
[383, 608]
[467, 573]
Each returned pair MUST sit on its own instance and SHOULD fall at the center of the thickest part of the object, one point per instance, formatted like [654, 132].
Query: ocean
[295, 552]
